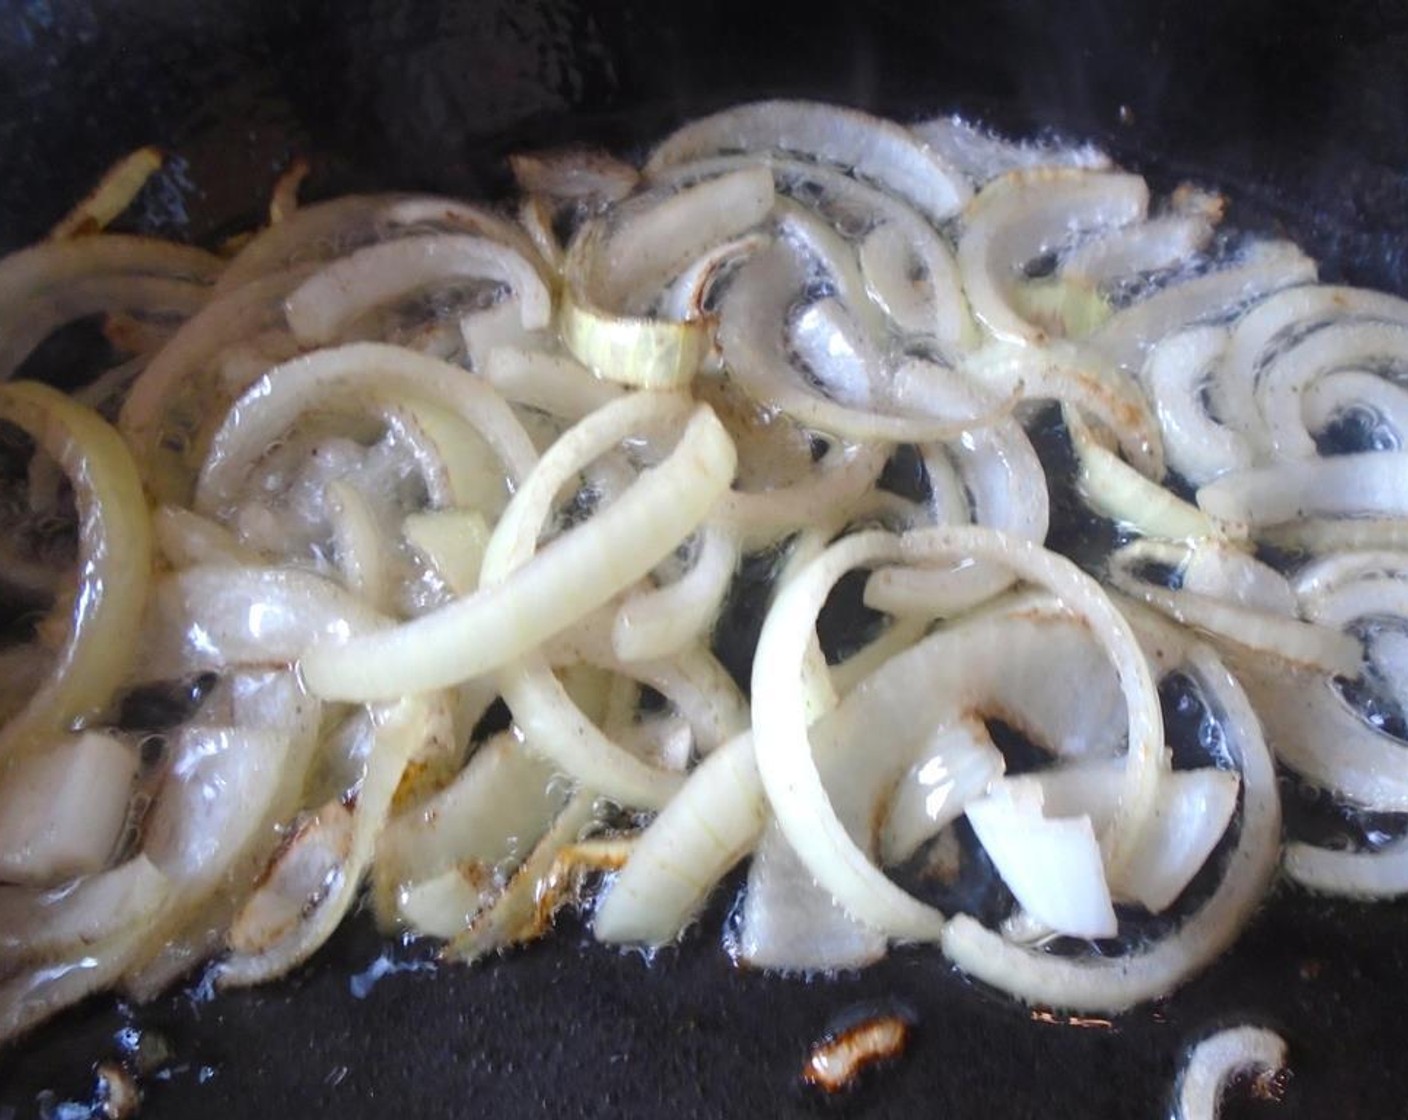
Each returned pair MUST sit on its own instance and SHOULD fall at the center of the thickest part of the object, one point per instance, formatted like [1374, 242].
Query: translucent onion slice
[659, 621]
[1131, 251]
[982, 155]
[753, 337]
[477, 827]
[707, 827]
[1212, 297]
[1284, 314]
[1363, 485]
[1194, 810]
[871, 148]
[62, 811]
[653, 238]
[573, 173]
[1113, 983]
[1176, 373]
[398, 730]
[573, 576]
[552, 382]
[785, 762]
[1051, 864]
[322, 307]
[622, 544]
[1118, 491]
[30, 321]
[1217, 1060]
[114, 563]
[1315, 732]
[849, 205]
[630, 350]
[1283, 382]
[216, 616]
[272, 404]
[788, 923]
[1058, 371]
[1024, 214]
[955, 765]
[48, 269]
[37, 924]
[1288, 640]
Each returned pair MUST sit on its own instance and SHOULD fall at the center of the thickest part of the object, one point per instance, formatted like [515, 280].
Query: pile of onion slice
[430, 513]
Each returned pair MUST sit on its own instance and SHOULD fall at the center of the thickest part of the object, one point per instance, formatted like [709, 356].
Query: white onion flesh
[1217, 1060]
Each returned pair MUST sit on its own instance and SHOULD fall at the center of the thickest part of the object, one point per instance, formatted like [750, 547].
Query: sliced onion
[269, 407]
[956, 765]
[114, 564]
[982, 155]
[1051, 864]
[1130, 251]
[1289, 640]
[321, 308]
[1178, 369]
[789, 773]
[114, 193]
[1117, 982]
[1212, 297]
[551, 382]
[1217, 1060]
[62, 811]
[873, 149]
[788, 922]
[1022, 215]
[37, 924]
[706, 828]
[1367, 484]
[658, 622]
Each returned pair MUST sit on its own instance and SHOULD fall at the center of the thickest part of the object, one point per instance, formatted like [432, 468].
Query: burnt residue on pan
[1299, 111]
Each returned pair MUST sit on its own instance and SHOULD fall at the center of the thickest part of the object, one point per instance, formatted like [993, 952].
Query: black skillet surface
[1299, 111]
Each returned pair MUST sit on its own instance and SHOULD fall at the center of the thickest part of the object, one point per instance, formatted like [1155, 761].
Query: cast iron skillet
[1299, 111]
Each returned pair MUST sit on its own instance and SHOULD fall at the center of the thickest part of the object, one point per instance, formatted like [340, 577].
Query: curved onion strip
[1314, 731]
[630, 350]
[656, 622]
[622, 543]
[1320, 534]
[522, 603]
[359, 546]
[1369, 483]
[784, 758]
[1130, 251]
[656, 236]
[707, 827]
[1353, 393]
[179, 388]
[1281, 384]
[871, 148]
[525, 908]
[826, 249]
[30, 321]
[216, 615]
[1060, 372]
[753, 339]
[788, 922]
[114, 564]
[35, 924]
[1118, 491]
[1291, 309]
[62, 810]
[502, 800]
[981, 154]
[552, 382]
[276, 399]
[1330, 574]
[831, 193]
[1198, 446]
[1115, 983]
[1248, 628]
[52, 265]
[1022, 215]
[573, 173]
[397, 731]
[1217, 1060]
[1368, 875]
[324, 304]
[1213, 297]
[689, 293]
